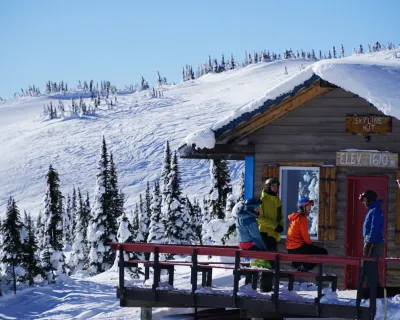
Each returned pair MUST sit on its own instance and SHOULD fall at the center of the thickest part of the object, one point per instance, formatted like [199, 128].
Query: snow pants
[306, 249]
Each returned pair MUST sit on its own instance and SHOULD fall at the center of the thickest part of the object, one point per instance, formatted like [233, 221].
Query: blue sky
[122, 40]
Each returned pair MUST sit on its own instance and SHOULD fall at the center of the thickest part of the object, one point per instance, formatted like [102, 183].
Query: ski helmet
[370, 195]
[304, 202]
[272, 181]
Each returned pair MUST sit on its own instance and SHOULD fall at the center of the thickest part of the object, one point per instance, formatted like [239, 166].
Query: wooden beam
[220, 151]
[274, 112]
[301, 163]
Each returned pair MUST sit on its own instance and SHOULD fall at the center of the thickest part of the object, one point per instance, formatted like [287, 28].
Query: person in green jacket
[271, 220]
[270, 224]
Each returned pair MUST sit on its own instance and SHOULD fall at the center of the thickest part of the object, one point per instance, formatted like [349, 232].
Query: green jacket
[270, 215]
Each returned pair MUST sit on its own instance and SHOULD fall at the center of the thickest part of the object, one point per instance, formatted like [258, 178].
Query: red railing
[236, 253]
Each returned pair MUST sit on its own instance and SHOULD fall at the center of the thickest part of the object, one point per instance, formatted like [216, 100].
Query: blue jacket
[247, 229]
[373, 223]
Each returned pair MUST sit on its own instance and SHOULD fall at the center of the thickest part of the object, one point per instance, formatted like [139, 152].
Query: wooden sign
[367, 159]
[368, 124]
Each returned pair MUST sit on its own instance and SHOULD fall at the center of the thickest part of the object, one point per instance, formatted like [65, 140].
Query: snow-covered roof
[372, 76]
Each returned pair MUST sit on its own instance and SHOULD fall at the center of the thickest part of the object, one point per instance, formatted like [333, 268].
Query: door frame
[349, 215]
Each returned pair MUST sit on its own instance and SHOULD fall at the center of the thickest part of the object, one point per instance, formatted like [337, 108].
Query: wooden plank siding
[315, 132]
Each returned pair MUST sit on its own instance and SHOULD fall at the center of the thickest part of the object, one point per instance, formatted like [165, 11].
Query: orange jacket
[297, 233]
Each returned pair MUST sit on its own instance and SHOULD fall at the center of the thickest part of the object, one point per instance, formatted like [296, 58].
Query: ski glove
[367, 249]
[279, 228]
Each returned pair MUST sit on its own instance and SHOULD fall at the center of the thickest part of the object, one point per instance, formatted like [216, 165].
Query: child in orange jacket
[298, 240]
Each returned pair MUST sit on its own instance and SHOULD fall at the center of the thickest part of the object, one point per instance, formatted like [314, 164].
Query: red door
[355, 216]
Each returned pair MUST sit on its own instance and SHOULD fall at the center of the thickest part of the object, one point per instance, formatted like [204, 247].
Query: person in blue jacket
[373, 234]
[249, 238]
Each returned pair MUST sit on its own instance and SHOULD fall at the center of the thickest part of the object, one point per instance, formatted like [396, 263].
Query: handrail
[230, 251]
[236, 253]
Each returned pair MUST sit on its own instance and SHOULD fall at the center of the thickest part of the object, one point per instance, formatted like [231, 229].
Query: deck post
[156, 269]
[146, 313]
[320, 275]
[236, 277]
[121, 284]
[276, 283]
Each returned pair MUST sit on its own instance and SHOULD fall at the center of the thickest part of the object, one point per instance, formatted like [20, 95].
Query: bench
[251, 274]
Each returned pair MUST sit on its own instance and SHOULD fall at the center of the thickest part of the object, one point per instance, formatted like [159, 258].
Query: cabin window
[298, 182]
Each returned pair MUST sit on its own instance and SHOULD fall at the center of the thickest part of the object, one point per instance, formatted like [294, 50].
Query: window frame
[281, 168]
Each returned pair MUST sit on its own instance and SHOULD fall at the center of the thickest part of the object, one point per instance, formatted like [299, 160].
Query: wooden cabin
[321, 131]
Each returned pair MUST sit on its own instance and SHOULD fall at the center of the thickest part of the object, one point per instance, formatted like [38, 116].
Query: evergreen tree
[31, 261]
[334, 52]
[144, 221]
[341, 51]
[125, 233]
[220, 188]
[241, 187]
[177, 219]
[74, 208]
[13, 246]
[329, 54]
[78, 258]
[135, 223]
[233, 64]
[222, 65]
[361, 50]
[156, 229]
[53, 234]
[197, 223]
[67, 223]
[101, 257]
[205, 216]
[116, 198]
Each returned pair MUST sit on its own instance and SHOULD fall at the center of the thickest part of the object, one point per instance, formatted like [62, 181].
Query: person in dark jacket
[373, 234]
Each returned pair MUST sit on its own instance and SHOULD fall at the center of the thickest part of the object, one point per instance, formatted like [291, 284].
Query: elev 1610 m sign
[367, 159]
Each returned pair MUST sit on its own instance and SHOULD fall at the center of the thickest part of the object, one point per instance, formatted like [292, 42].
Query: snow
[83, 297]
[135, 130]
[374, 77]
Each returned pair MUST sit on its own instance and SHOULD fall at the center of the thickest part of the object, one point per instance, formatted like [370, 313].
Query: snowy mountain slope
[135, 131]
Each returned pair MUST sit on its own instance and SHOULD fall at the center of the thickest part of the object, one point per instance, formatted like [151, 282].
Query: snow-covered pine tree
[156, 232]
[188, 207]
[67, 223]
[52, 244]
[222, 67]
[177, 219]
[334, 52]
[197, 222]
[220, 188]
[361, 50]
[78, 258]
[13, 246]
[135, 223]
[241, 187]
[31, 261]
[116, 199]
[101, 257]
[329, 54]
[230, 218]
[125, 234]
[144, 221]
[233, 64]
[341, 51]
[74, 205]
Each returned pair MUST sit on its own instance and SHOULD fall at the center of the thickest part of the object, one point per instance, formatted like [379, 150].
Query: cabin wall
[315, 132]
